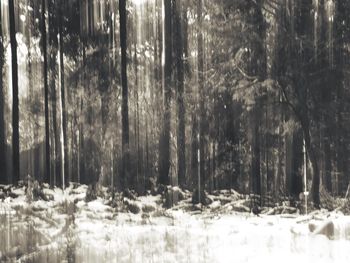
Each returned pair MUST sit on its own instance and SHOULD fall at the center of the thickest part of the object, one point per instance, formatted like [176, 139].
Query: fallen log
[282, 210]
[240, 208]
[43, 218]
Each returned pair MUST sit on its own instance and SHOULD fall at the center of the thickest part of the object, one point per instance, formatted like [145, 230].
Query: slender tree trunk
[237, 156]
[164, 144]
[32, 115]
[125, 108]
[255, 166]
[201, 94]
[53, 40]
[327, 161]
[65, 165]
[3, 164]
[46, 91]
[315, 187]
[15, 101]
[136, 107]
[194, 151]
[181, 111]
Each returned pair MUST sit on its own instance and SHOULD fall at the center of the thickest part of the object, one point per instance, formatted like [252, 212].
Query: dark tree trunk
[46, 91]
[181, 111]
[63, 96]
[15, 102]
[257, 68]
[201, 94]
[315, 187]
[255, 165]
[53, 29]
[3, 170]
[327, 162]
[136, 109]
[164, 143]
[296, 186]
[125, 108]
[194, 151]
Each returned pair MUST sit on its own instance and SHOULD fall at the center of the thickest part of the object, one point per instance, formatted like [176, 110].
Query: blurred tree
[164, 141]
[3, 170]
[15, 102]
[46, 92]
[127, 181]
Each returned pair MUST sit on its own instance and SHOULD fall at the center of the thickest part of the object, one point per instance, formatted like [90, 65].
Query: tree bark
[315, 187]
[63, 96]
[181, 111]
[125, 108]
[46, 91]
[53, 40]
[257, 68]
[164, 143]
[201, 94]
[327, 161]
[15, 101]
[255, 159]
[3, 164]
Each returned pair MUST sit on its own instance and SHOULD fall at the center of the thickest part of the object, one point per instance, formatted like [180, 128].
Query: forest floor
[66, 228]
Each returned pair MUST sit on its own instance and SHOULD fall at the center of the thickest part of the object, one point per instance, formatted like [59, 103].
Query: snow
[235, 237]
[96, 232]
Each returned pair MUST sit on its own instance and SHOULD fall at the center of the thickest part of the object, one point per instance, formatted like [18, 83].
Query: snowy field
[68, 229]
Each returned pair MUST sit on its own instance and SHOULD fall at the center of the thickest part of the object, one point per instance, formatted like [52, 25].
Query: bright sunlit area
[141, 2]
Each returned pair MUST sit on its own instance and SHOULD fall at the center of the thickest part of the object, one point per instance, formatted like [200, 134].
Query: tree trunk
[164, 143]
[257, 68]
[65, 166]
[3, 170]
[125, 108]
[296, 187]
[255, 159]
[46, 91]
[15, 101]
[315, 187]
[136, 109]
[201, 94]
[181, 111]
[327, 161]
[32, 115]
[194, 151]
[53, 40]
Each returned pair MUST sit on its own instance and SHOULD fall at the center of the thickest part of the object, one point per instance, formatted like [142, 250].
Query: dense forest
[251, 95]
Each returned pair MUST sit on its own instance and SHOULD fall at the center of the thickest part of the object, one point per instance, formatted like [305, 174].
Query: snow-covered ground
[68, 229]
[228, 238]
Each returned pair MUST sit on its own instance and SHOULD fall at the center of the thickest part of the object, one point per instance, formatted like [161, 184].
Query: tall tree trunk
[53, 40]
[46, 91]
[3, 165]
[65, 173]
[201, 94]
[164, 143]
[15, 102]
[125, 108]
[31, 127]
[257, 68]
[181, 111]
[136, 106]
